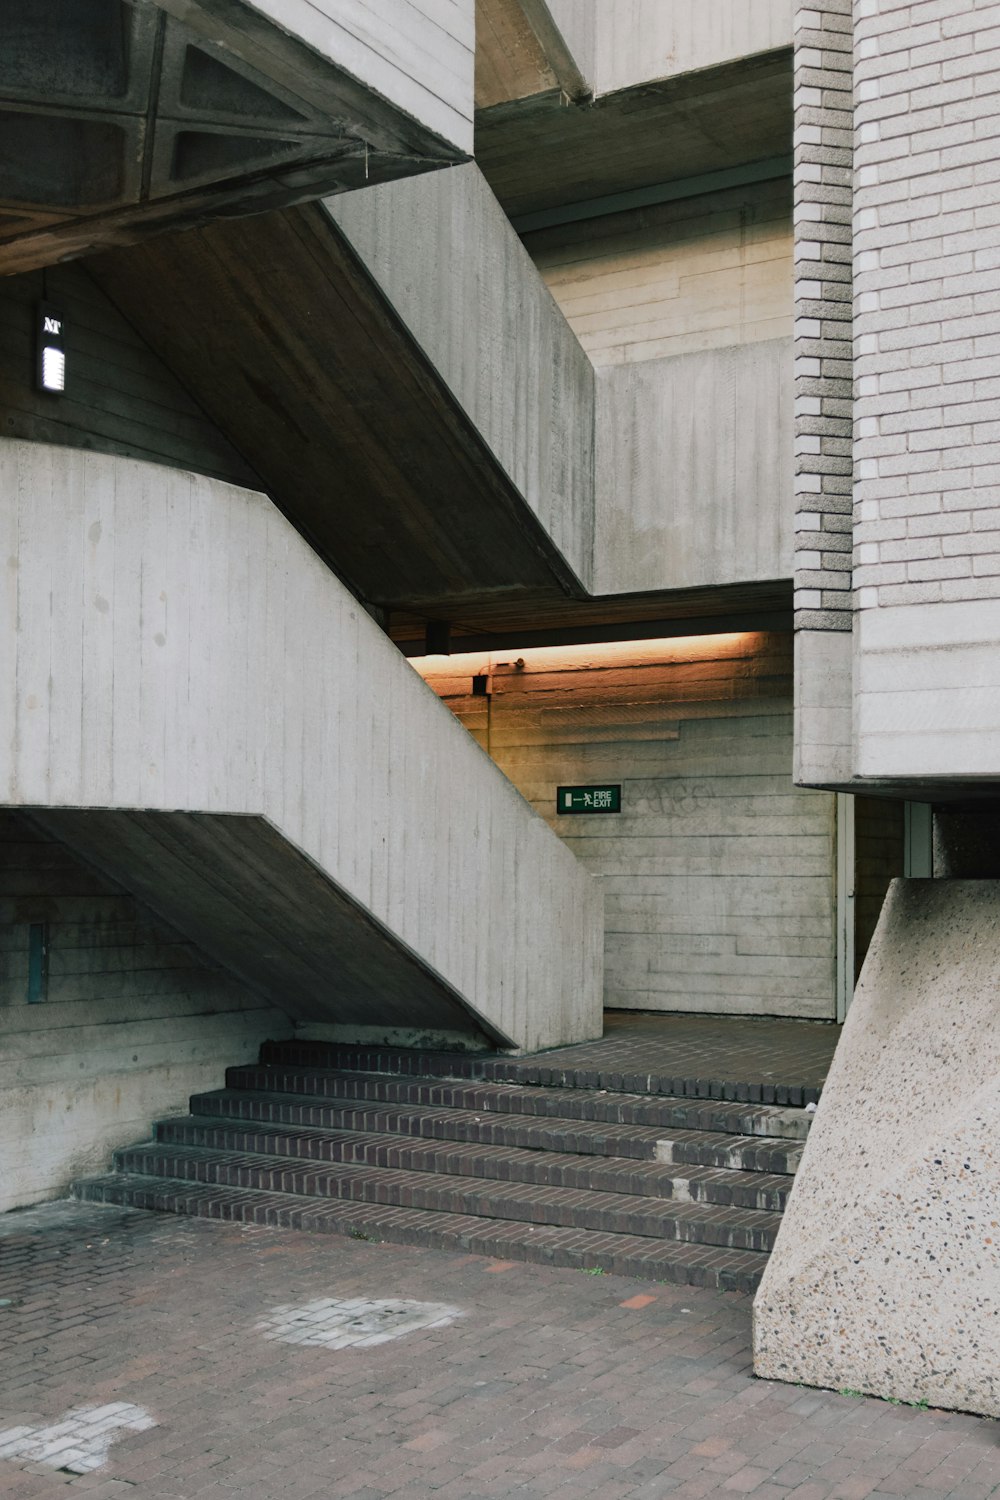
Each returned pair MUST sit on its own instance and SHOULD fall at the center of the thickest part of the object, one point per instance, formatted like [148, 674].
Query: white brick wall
[927, 295]
[823, 463]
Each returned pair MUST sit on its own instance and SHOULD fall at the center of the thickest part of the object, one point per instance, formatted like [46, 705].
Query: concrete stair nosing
[719, 1150]
[604, 1106]
[672, 1262]
[716, 1186]
[544, 1071]
[603, 1212]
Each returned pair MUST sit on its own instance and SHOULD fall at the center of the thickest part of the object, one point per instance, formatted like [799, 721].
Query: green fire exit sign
[588, 799]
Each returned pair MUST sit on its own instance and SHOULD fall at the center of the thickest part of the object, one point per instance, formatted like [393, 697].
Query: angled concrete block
[886, 1272]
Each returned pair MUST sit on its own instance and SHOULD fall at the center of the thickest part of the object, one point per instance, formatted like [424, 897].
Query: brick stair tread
[435, 1192]
[446, 1122]
[672, 1261]
[500, 1098]
[544, 1068]
[462, 1159]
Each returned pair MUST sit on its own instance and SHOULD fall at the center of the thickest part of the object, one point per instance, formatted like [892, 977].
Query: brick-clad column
[824, 128]
[824, 141]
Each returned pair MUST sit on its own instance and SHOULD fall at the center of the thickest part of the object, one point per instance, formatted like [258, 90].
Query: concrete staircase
[513, 1158]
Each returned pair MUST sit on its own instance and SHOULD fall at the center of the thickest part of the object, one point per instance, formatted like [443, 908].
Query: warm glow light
[597, 654]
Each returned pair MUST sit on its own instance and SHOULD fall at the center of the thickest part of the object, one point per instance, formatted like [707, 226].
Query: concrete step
[548, 1069]
[567, 1208]
[622, 1254]
[606, 1106]
[445, 1122]
[463, 1159]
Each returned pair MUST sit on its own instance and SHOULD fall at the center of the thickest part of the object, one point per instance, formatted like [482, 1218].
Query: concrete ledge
[886, 1273]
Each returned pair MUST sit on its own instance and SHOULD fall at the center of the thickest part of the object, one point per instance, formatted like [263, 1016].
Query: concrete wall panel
[695, 470]
[177, 646]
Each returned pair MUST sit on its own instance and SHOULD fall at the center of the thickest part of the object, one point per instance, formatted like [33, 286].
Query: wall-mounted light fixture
[51, 345]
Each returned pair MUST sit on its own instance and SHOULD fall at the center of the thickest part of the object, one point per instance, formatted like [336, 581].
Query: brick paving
[262, 1360]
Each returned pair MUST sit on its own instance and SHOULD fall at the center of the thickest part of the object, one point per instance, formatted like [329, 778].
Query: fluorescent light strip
[53, 368]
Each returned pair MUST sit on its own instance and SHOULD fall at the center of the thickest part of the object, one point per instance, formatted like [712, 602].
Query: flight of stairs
[513, 1158]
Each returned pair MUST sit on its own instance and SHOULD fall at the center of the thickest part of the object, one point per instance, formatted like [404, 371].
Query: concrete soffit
[143, 115]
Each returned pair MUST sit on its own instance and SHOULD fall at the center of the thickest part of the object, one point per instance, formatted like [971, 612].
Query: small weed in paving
[592, 1270]
[848, 1392]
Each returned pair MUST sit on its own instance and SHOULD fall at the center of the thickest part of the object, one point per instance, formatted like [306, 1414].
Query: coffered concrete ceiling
[118, 118]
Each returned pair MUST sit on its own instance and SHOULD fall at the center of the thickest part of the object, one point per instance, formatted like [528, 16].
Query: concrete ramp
[886, 1273]
[200, 709]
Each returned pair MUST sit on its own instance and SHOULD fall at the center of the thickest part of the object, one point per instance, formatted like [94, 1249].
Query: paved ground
[735, 1047]
[150, 1355]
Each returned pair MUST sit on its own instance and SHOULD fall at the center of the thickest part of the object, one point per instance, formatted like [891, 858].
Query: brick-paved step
[577, 1137]
[544, 1168]
[624, 1255]
[546, 1070]
[605, 1106]
[606, 1212]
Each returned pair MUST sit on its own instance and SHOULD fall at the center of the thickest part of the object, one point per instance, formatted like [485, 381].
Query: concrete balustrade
[198, 707]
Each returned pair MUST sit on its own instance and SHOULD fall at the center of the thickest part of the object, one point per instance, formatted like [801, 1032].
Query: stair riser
[532, 1102]
[504, 1242]
[496, 1131]
[463, 1163]
[515, 1070]
[492, 1203]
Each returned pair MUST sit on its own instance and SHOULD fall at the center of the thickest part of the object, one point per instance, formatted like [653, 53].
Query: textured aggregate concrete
[886, 1272]
[550, 1382]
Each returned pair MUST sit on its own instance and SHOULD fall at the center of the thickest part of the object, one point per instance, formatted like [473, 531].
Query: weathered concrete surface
[886, 1273]
[521, 52]
[176, 648]
[824, 707]
[456, 273]
[695, 469]
[645, 40]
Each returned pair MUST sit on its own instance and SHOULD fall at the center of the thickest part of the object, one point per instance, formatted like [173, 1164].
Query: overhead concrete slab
[886, 1271]
[121, 119]
[540, 153]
